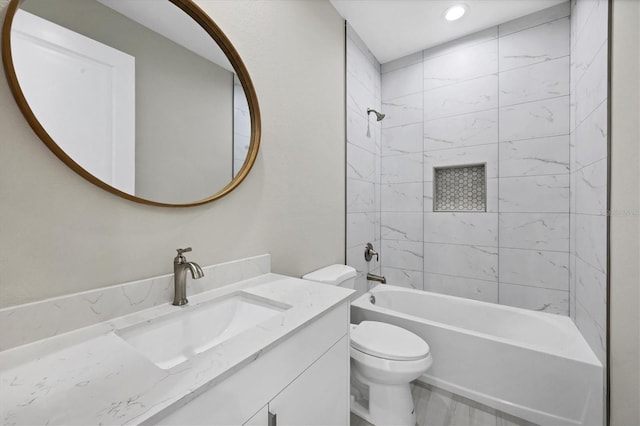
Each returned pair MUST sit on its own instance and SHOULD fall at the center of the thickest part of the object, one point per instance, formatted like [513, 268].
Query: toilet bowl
[384, 360]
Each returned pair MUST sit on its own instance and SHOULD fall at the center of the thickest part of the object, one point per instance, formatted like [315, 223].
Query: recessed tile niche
[460, 188]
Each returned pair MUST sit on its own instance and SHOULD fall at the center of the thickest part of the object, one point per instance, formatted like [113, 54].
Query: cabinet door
[320, 395]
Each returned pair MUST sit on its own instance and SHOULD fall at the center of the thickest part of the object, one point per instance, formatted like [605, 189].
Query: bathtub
[532, 365]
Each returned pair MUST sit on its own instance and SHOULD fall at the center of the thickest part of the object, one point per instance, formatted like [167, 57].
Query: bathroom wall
[60, 234]
[499, 97]
[589, 79]
[624, 311]
[363, 157]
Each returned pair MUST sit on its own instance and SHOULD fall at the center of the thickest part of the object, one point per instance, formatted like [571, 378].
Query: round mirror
[147, 99]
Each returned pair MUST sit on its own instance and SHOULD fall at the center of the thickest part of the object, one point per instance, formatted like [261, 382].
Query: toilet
[384, 360]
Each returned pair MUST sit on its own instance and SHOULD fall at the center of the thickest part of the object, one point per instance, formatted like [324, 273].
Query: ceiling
[395, 28]
[169, 21]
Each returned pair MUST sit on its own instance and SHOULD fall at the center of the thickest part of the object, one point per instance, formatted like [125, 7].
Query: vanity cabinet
[317, 397]
[303, 380]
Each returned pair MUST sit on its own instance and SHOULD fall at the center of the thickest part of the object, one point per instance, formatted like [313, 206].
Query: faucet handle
[180, 257]
[369, 252]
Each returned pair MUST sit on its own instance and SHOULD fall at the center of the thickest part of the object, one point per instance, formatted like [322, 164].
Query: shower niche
[460, 188]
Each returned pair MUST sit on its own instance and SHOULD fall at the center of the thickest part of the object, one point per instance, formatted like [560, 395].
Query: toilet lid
[388, 341]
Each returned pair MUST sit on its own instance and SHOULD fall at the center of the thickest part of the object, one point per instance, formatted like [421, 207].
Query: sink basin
[173, 338]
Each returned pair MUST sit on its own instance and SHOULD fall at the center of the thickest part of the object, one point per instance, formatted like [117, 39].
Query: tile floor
[435, 407]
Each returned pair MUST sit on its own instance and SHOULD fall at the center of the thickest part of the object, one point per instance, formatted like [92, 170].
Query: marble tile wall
[588, 163]
[402, 191]
[534, 113]
[499, 97]
[363, 157]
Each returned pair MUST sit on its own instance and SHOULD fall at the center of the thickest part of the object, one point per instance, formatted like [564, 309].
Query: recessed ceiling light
[455, 12]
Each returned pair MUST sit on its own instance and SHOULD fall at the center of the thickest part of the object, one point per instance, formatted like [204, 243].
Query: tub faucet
[180, 266]
[379, 278]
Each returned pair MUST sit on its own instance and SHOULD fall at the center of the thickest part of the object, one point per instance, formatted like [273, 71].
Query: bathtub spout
[379, 278]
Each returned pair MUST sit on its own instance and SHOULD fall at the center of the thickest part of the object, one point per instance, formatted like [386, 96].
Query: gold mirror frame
[199, 16]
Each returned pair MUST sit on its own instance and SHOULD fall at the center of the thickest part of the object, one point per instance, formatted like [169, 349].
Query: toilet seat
[388, 342]
[385, 367]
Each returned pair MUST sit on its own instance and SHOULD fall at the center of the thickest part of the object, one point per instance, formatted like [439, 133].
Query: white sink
[173, 338]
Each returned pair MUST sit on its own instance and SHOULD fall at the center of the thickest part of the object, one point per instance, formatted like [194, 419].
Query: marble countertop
[92, 376]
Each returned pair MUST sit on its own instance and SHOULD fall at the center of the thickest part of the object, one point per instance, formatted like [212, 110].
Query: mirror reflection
[135, 92]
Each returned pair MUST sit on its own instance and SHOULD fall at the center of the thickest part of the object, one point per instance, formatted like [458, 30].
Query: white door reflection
[66, 75]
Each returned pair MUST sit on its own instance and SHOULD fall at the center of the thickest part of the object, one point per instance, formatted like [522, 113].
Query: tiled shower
[499, 98]
[525, 104]
[363, 157]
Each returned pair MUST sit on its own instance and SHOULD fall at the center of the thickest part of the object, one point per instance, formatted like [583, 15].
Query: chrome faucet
[180, 266]
[379, 278]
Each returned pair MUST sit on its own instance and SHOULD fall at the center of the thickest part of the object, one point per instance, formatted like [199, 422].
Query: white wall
[60, 234]
[625, 215]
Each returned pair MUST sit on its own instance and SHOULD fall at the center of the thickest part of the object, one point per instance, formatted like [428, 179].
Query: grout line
[498, 181]
[590, 214]
[402, 125]
[422, 224]
[572, 132]
[493, 143]
[534, 138]
[535, 286]
[532, 176]
[533, 64]
[464, 113]
[498, 108]
[401, 183]
[568, 16]
[425, 91]
[407, 153]
[484, 245]
[389, 100]
[359, 180]
[567, 95]
[467, 278]
[497, 212]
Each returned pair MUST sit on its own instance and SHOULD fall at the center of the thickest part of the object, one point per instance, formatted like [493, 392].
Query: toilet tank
[340, 275]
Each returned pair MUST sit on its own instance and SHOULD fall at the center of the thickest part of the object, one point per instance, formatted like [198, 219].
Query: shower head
[379, 116]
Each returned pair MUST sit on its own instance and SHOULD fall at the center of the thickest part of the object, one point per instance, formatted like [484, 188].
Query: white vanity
[251, 347]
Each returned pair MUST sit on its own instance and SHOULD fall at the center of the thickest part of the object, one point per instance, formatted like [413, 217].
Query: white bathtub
[533, 365]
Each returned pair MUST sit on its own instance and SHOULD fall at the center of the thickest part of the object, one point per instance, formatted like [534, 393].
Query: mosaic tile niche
[460, 188]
